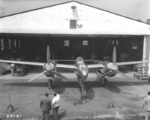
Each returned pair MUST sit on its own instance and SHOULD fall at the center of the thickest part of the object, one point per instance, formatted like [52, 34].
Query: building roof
[55, 19]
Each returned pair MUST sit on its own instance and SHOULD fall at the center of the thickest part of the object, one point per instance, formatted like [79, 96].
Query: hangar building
[73, 29]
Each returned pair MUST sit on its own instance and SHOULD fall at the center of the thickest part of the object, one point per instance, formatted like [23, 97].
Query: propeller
[53, 71]
[99, 78]
[42, 73]
[48, 54]
[126, 76]
[62, 76]
[113, 67]
[48, 60]
[114, 57]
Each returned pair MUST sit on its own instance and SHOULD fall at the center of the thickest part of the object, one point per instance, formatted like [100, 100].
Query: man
[55, 104]
[146, 105]
[45, 106]
[12, 69]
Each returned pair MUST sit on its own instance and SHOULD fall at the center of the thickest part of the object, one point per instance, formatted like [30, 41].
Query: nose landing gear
[83, 92]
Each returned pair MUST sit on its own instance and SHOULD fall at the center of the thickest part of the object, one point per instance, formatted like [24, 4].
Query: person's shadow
[61, 114]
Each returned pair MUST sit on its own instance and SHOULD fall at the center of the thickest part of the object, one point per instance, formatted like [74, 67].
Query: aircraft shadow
[61, 85]
[58, 84]
[89, 85]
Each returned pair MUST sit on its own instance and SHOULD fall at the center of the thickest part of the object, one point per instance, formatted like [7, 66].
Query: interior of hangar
[62, 47]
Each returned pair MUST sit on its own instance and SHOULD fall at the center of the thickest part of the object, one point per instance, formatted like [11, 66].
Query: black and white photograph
[74, 60]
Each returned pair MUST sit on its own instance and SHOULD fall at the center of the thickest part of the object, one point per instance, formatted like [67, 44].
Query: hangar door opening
[31, 47]
[129, 48]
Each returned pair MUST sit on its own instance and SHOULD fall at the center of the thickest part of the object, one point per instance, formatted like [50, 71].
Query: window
[2, 44]
[85, 43]
[9, 43]
[73, 24]
[66, 43]
[19, 44]
[15, 43]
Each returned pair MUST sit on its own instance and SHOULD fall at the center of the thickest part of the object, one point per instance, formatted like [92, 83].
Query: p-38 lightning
[80, 67]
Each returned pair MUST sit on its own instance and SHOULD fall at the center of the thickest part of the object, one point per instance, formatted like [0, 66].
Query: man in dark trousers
[55, 104]
[146, 106]
[45, 106]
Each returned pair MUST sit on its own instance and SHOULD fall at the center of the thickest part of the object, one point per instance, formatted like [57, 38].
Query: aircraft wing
[95, 66]
[4, 67]
[67, 67]
[131, 63]
[23, 62]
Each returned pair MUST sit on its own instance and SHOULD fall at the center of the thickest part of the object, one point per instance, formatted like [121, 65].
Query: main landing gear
[50, 83]
[104, 80]
[105, 83]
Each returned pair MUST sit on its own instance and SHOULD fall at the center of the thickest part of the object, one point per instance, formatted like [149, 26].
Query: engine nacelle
[112, 66]
[49, 68]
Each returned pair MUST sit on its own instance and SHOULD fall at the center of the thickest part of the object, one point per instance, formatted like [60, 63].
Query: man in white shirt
[55, 105]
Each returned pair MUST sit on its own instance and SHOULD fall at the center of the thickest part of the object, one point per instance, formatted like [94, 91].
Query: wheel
[83, 95]
[106, 83]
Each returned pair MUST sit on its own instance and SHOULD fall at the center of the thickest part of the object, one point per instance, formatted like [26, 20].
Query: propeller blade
[48, 54]
[62, 76]
[35, 77]
[126, 76]
[101, 76]
[114, 55]
[105, 74]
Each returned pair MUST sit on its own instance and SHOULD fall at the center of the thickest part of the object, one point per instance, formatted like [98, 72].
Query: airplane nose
[84, 73]
[83, 69]
[48, 66]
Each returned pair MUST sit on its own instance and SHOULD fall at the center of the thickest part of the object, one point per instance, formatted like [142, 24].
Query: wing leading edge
[131, 63]
[95, 66]
[67, 67]
[72, 67]
[23, 62]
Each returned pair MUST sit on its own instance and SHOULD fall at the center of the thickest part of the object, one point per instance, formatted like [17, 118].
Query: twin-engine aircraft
[80, 67]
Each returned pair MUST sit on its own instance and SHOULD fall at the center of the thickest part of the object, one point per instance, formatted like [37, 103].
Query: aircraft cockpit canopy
[79, 60]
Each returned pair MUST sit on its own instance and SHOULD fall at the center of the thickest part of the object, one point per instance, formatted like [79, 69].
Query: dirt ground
[123, 100]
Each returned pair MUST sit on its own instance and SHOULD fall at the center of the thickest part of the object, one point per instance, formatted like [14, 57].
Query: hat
[46, 94]
[54, 93]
